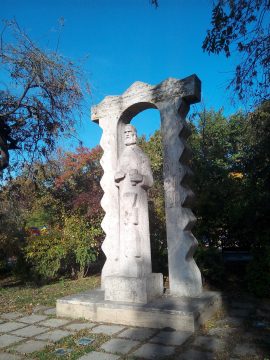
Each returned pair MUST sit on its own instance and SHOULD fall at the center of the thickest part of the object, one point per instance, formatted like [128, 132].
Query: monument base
[133, 290]
[179, 313]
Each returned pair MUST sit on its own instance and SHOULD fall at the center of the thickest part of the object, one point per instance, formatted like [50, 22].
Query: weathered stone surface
[79, 326]
[137, 334]
[54, 322]
[30, 331]
[54, 335]
[31, 319]
[209, 343]
[245, 349]
[10, 326]
[119, 346]
[179, 313]
[171, 337]
[94, 355]
[51, 311]
[30, 346]
[107, 329]
[7, 339]
[39, 308]
[131, 289]
[196, 355]
[172, 98]
[11, 315]
[7, 356]
[222, 332]
[153, 351]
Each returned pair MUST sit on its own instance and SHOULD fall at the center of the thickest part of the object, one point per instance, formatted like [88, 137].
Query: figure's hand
[135, 177]
[120, 175]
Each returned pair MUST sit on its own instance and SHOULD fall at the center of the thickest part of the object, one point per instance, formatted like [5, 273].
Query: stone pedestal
[179, 313]
[133, 290]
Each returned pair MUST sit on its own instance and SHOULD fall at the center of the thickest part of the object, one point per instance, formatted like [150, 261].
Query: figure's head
[130, 133]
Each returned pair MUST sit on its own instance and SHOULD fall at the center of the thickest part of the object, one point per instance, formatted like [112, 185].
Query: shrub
[210, 262]
[258, 272]
[68, 250]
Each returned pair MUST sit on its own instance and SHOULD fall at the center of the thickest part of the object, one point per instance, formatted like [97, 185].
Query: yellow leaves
[236, 175]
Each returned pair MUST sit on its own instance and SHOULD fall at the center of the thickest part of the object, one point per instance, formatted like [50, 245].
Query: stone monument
[130, 293]
[172, 98]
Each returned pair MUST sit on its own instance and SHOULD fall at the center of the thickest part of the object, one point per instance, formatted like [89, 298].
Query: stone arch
[172, 98]
[127, 116]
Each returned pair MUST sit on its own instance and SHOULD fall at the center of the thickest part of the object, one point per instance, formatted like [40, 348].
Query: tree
[40, 101]
[243, 26]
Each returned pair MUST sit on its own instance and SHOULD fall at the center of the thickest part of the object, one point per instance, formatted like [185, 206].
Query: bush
[258, 272]
[68, 250]
[210, 262]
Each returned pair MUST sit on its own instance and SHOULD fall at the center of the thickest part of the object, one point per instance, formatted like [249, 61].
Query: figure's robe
[135, 249]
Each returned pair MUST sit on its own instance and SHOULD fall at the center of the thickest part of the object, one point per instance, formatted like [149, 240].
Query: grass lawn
[23, 297]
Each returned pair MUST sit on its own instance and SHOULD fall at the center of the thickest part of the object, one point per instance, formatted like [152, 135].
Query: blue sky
[123, 41]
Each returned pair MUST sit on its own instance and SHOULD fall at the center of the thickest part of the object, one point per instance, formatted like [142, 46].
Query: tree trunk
[4, 155]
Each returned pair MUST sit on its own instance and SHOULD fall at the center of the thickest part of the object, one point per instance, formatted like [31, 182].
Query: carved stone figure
[134, 177]
[132, 280]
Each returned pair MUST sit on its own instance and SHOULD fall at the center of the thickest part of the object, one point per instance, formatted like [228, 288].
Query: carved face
[130, 135]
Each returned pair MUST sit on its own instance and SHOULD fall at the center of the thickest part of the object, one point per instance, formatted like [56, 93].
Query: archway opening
[147, 123]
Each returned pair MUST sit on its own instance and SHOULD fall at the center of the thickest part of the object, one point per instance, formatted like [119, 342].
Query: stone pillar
[184, 275]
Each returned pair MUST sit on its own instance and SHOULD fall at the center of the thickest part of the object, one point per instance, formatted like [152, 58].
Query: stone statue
[134, 177]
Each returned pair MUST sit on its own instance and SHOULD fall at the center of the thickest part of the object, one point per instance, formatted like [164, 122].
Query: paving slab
[30, 346]
[29, 331]
[54, 322]
[196, 355]
[80, 326]
[7, 339]
[137, 333]
[39, 308]
[10, 326]
[244, 349]
[209, 343]
[32, 319]
[171, 337]
[54, 335]
[121, 346]
[107, 329]
[94, 355]
[7, 356]
[11, 315]
[222, 332]
[50, 311]
[153, 351]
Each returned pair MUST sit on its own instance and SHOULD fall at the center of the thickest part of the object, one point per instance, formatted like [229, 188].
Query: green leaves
[243, 26]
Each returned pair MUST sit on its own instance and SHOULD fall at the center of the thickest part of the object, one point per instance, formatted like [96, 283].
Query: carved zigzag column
[184, 275]
[109, 202]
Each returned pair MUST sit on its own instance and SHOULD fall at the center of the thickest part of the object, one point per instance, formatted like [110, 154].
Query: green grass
[23, 297]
